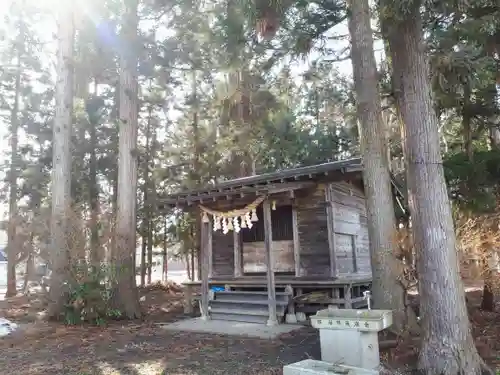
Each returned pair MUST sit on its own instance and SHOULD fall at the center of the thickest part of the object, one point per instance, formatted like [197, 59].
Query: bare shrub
[478, 246]
[87, 282]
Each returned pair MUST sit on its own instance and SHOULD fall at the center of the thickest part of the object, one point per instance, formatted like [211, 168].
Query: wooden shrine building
[281, 243]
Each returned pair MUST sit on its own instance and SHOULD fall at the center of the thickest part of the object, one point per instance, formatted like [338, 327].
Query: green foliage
[89, 296]
[473, 184]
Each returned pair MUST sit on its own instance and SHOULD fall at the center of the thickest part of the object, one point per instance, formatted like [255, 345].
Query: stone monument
[312, 367]
[350, 337]
[349, 342]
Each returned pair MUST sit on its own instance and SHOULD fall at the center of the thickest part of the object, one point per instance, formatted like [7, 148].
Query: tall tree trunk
[146, 203]
[165, 253]
[495, 138]
[144, 249]
[125, 294]
[30, 263]
[488, 273]
[151, 203]
[490, 264]
[448, 347]
[114, 196]
[197, 173]
[12, 250]
[150, 251]
[466, 123]
[114, 175]
[388, 290]
[188, 266]
[95, 249]
[61, 165]
[35, 202]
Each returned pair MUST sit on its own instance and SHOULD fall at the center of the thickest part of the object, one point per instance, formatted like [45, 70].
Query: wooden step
[260, 319]
[244, 308]
[250, 293]
[249, 296]
[246, 301]
[239, 311]
[243, 315]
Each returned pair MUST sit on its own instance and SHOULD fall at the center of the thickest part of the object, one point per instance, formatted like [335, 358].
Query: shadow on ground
[142, 348]
[146, 352]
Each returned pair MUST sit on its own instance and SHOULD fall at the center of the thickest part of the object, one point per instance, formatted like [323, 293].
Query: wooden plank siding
[350, 239]
[253, 246]
[351, 229]
[254, 257]
[223, 254]
[313, 234]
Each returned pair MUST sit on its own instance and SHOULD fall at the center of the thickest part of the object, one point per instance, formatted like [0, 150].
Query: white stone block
[350, 336]
[351, 319]
[313, 367]
[301, 317]
[353, 348]
[291, 318]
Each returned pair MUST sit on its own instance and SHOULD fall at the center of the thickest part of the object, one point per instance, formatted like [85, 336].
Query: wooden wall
[254, 256]
[351, 230]
[351, 238]
[222, 254]
[313, 234]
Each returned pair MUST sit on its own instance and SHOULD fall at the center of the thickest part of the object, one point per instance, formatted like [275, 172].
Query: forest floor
[142, 348]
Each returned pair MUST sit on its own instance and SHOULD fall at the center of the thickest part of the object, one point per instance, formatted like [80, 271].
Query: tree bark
[388, 291]
[115, 117]
[144, 248]
[196, 175]
[30, 263]
[125, 294]
[151, 204]
[188, 266]
[165, 253]
[448, 347]
[146, 199]
[488, 298]
[95, 248]
[195, 272]
[466, 123]
[150, 252]
[61, 165]
[494, 137]
[12, 249]
[34, 206]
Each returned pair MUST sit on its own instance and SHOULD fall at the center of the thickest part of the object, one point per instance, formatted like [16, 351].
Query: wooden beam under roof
[271, 188]
[294, 174]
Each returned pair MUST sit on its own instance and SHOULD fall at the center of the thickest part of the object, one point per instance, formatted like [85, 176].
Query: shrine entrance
[281, 245]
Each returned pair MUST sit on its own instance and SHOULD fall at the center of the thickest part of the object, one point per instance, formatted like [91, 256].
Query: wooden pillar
[330, 218]
[209, 249]
[347, 296]
[268, 240]
[188, 298]
[296, 242]
[238, 271]
[354, 244]
[206, 261]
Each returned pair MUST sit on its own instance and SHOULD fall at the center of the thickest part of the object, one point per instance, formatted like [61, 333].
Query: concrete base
[301, 317]
[354, 348]
[291, 318]
[312, 367]
[222, 327]
[272, 322]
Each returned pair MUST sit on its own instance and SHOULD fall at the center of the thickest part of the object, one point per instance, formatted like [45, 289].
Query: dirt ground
[142, 348]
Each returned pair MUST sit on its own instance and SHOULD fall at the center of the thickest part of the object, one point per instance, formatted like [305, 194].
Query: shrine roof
[287, 179]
